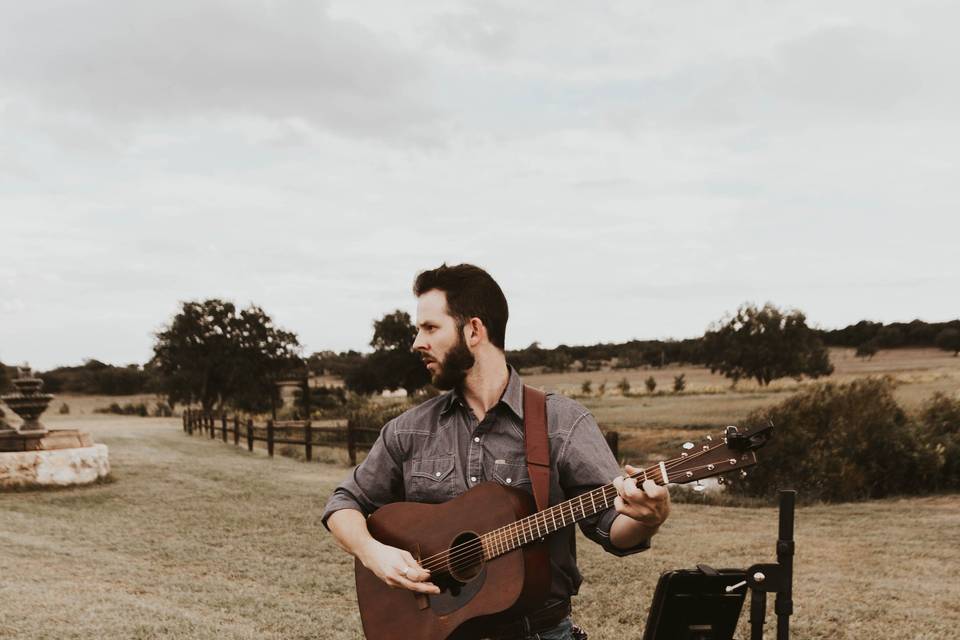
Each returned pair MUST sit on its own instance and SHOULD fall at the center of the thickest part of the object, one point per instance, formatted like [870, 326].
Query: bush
[373, 415]
[64, 409]
[624, 386]
[838, 442]
[586, 388]
[129, 409]
[679, 383]
[650, 384]
[940, 431]
[602, 389]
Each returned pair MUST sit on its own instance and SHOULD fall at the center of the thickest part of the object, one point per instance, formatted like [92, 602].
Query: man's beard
[454, 368]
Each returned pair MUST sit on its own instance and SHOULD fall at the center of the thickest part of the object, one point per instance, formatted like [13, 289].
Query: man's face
[440, 341]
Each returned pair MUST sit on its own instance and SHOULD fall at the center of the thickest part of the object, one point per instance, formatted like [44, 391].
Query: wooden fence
[304, 433]
[283, 431]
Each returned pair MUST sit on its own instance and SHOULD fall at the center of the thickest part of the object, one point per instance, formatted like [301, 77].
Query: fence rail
[342, 433]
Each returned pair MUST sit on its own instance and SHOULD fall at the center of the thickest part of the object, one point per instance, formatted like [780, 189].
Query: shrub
[602, 389]
[650, 384]
[624, 386]
[837, 442]
[940, 431]
[373, 415]
[679, 383]
[64, 409]
[586, 388]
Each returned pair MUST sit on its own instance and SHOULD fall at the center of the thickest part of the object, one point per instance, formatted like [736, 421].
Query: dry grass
[198, 539]
[652, 424]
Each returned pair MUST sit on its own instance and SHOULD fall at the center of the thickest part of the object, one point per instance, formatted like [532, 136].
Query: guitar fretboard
[543, 523]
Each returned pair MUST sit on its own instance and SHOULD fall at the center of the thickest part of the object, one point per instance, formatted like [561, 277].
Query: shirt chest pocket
[512, 474]
[432, 480]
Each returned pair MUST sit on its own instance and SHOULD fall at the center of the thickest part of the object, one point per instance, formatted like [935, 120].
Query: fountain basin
[54, 467]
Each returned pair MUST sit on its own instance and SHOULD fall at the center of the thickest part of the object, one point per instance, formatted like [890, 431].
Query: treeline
[95, 377]
[896, 334]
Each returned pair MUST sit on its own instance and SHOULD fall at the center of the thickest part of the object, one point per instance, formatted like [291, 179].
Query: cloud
[286, 59]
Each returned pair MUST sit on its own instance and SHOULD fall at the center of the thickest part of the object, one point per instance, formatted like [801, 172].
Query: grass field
[197, 539]
[655, 423]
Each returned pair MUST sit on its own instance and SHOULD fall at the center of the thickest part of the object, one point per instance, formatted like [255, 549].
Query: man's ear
[474, 332]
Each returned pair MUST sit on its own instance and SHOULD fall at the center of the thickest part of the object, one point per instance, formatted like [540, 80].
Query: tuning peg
[721, 480]
[699, 487]
[730, 430]
[688, 445]
[743, 473]
[709, 438]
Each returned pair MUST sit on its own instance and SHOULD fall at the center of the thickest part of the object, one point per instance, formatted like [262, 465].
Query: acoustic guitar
[485, 549]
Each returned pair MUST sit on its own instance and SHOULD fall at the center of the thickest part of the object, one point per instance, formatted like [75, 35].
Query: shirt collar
[512, 395]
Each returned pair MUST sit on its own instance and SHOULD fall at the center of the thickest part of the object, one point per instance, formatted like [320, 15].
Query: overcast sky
[624, 169]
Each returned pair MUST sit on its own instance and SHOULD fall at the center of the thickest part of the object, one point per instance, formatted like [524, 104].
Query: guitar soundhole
[466, 557]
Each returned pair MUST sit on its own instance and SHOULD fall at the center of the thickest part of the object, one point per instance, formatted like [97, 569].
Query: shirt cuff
[339, 500]
[603, 531]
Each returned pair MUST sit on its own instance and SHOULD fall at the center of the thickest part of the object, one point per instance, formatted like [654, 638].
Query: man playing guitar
[474, 433]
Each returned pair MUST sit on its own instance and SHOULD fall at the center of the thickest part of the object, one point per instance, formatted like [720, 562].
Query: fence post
[250, 435]
[223, 426]
[351, 443]
[236, 430]
[211, 426]
[270, 437]
[308, 440]
[613, 441]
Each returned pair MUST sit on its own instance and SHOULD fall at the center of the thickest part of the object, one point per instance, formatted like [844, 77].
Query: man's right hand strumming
[396, 567]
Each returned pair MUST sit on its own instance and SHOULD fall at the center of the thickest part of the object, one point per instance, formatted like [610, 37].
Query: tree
[212, 354]
[651, 384]
[867, 350]
[624, 386]
[392, 365]
[586, 388]
[679, 383]
[949, 340]
[765, 344]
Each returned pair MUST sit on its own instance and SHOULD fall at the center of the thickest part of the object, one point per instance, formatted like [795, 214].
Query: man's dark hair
[471, 293]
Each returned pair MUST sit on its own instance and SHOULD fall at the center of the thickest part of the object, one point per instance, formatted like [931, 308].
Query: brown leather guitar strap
[538, 446]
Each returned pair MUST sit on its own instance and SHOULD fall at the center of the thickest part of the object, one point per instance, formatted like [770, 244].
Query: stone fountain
[35, 456]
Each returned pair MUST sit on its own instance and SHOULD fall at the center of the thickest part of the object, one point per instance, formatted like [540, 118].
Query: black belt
[540, 620]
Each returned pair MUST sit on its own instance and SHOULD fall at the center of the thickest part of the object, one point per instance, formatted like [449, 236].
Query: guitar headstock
[733, 450]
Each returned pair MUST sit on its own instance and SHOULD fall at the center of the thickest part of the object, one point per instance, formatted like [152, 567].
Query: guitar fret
[593, 503]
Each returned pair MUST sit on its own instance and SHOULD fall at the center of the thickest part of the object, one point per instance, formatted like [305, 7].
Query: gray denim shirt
[437, 450]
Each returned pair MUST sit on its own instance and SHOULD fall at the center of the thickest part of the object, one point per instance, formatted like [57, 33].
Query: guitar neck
[543, 523]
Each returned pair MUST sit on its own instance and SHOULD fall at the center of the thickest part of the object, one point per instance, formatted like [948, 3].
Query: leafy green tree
[392, 365]
[765, 344]
[949, 340]
[213, 354]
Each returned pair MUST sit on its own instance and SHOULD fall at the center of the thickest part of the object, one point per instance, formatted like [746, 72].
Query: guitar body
[474, 598]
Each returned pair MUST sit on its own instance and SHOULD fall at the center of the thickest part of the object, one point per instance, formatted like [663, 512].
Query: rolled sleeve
[376, 481]
[585, 463]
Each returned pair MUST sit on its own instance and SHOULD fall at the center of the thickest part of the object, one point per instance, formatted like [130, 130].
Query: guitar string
[528, 522]
[469, 557]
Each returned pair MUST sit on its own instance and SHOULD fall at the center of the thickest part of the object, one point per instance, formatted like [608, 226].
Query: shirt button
[437, 474]
[476, 438]
[509, 480]
[473, 478]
